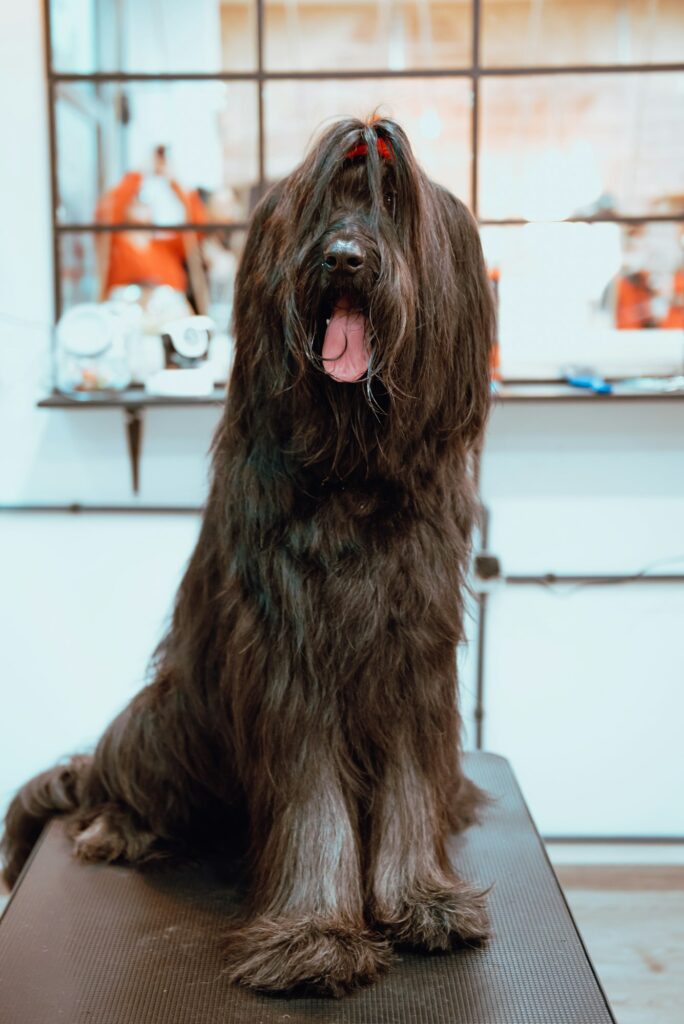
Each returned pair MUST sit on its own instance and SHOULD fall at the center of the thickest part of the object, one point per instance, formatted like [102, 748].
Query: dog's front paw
[281, 954]
[113, 837]
[437, 919]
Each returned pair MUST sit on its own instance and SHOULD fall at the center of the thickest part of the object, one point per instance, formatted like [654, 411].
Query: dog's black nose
[344, 256]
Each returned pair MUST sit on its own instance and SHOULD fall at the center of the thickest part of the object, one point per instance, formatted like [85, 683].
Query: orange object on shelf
[675, 314]
[142, 256]
[633, 302]
[495, 354]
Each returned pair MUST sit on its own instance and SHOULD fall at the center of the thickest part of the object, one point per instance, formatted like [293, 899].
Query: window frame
[474, 72]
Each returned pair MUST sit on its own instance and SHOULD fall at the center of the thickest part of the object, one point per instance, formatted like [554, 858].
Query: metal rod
[260, 95]
[617, 218]
[581, 69]
[54, 187]
[88, 228]
[615, 840]
[522, 71]
[479, 713]
[475, 114]
[609, 579]
[241, 225]
[257, 76]
[77, 508]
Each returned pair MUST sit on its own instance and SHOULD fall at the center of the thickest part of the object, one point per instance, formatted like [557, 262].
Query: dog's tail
[53, 792]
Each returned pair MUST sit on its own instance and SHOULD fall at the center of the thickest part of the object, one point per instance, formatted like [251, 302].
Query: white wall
[584, 685]
[83, 601]
[583, 691]
[25, 260]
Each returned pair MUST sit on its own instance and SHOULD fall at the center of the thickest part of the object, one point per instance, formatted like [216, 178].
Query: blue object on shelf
[584, 377]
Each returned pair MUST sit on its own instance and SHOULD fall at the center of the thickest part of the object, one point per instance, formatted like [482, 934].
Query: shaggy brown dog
[307, 684]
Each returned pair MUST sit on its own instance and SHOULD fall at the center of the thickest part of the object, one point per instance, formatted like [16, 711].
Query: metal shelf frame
[475, 71]
[134, 401]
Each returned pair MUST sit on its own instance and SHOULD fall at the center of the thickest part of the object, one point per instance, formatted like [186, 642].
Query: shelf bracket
[134, 425]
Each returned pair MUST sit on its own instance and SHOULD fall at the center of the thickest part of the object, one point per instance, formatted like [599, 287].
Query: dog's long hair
[307, 683]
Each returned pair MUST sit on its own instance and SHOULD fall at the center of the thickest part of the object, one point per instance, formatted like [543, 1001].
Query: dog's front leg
[416, 897]
[307, 926]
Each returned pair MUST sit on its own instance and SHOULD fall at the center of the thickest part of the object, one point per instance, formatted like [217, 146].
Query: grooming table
[109, 945]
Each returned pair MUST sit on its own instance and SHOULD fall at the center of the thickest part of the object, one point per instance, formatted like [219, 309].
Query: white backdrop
[584, 693]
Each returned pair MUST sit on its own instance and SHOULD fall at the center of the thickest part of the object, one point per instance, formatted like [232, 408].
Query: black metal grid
[475, 71]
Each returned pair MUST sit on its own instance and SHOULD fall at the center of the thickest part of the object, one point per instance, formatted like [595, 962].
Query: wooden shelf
[506, 391]
[134, 401]
[547, 391]
[131, 398]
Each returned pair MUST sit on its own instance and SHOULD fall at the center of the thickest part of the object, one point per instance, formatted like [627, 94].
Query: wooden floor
[632, 921]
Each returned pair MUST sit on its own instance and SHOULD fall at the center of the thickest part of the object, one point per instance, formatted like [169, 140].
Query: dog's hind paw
[438, 919]
[112, 837]
[310, 954]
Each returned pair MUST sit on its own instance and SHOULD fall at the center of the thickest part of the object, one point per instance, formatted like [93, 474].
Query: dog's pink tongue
[345, 356]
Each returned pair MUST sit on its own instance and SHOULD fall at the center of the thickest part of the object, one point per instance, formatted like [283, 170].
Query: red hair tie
[362, 149]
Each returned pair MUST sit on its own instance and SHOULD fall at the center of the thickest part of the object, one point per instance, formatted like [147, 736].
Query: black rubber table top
[109, 945]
